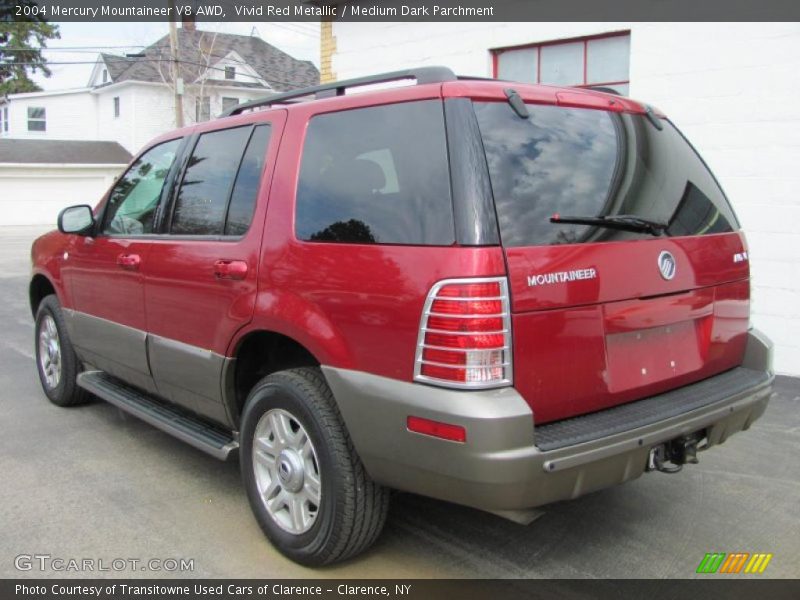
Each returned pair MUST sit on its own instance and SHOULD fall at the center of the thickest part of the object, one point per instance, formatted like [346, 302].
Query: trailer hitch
[670, 456]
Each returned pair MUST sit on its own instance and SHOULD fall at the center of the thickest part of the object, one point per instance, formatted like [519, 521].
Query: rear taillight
[465, 334]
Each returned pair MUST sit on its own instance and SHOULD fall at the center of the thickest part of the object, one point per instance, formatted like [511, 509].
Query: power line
[297, 31]
[311, 30]
[80, 51]
[299, 24]
[75, 48]
[155, 60]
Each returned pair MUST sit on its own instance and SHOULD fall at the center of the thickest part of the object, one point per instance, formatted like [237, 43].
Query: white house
[130, 100]
[731, 87]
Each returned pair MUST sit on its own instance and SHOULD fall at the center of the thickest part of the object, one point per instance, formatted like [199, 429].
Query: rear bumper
[501, 467]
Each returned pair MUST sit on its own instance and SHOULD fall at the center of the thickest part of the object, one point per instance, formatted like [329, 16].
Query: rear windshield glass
[589, 163]
[376, 175]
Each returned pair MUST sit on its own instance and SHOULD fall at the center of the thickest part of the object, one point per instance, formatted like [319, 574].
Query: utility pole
[176, 73]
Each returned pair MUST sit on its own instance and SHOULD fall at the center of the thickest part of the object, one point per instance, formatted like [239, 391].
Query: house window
[105, 75]
[229, 103]
[116, 107]
[596, 61]
[37, 118]
[230, 72]
[202, 109]
[4, 120]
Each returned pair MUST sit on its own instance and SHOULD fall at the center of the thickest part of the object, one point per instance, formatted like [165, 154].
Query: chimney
[188, 23]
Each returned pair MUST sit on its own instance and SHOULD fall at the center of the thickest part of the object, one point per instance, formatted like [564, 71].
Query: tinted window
[132, 204]
[580, 162]
[206, 186]
[245, 190]
[376, 175]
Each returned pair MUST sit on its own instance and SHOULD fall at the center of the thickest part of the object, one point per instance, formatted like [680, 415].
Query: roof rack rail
[601, 88]
[337, 88]
[476, 78]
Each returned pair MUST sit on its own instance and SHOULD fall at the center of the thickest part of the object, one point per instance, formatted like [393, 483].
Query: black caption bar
[463, 589]
[408, 10]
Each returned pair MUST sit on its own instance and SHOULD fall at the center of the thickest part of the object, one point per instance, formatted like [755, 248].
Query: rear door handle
[129, 261]
[230, 269]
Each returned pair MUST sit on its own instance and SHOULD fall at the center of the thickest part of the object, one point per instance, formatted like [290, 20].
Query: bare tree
[188, 73]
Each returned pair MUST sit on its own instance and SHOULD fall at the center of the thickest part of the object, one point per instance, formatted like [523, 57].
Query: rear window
[587, 163]
[376, 175]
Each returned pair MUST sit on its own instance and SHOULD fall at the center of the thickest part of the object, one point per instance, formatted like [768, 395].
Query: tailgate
[628, 273]
[624, 332]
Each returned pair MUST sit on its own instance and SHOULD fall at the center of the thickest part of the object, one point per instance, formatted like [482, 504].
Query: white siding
[120, 129]
[216, 94]
[154, 114]
[243, 94]
[731, 87]
[69, 116]
[146, 111]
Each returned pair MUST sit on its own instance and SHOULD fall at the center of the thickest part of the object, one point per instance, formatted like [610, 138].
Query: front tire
[306, 485]
[57, 363]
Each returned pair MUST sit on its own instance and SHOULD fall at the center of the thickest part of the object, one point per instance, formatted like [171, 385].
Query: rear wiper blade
[517, 103]
[622, 222]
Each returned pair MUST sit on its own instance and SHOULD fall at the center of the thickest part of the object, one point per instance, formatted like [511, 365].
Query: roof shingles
[62, 152]
[200, 48]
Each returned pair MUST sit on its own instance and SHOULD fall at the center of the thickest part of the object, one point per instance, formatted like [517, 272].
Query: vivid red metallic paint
[186, 299]
[625, 334]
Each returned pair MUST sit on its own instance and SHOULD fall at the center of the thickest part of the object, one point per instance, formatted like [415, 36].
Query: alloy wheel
[287, 471]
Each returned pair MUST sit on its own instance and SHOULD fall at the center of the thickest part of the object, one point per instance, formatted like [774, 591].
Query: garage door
[35, 198]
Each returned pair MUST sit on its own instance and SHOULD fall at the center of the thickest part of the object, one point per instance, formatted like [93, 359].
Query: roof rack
[601, 88]
[337, 88]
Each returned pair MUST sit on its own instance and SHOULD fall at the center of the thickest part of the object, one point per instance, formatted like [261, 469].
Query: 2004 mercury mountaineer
[496, 294]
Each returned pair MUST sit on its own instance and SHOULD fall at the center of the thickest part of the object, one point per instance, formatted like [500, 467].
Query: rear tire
[306, 485]
[56, 361]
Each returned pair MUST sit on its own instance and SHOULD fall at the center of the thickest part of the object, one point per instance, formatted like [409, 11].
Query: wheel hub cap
[49, 352]
[290, 470]
[286, 471]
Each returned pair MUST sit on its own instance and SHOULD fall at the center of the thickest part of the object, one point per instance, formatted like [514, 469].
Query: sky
[301, 40]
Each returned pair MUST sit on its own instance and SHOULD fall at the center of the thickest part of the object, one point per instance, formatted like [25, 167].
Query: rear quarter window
[376, 175]
[583, 162]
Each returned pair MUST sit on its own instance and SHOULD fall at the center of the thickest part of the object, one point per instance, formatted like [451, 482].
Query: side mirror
[78, 220]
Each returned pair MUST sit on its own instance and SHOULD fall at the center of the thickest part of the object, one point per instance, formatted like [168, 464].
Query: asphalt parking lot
[92, 482]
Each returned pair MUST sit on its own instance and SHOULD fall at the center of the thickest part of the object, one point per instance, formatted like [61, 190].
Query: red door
[107, 321]
[201, 278]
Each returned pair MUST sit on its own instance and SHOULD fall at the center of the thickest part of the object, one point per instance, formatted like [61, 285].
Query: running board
[166, 417]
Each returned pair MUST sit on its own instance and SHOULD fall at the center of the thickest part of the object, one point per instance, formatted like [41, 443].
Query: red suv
[497, 294]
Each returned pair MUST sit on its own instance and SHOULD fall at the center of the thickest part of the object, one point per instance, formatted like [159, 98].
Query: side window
[133, 202]
[202, 201]
[202, 109]
[376, 175]
[37, 118]
[245, 190]
[229, 103]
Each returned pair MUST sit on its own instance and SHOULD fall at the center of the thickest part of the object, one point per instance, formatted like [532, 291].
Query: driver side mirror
[77, 220]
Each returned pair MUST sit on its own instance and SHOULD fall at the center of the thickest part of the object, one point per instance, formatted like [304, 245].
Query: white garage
[40, 177]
